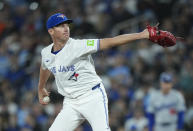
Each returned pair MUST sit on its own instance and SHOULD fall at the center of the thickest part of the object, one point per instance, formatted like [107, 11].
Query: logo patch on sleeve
[90, 42]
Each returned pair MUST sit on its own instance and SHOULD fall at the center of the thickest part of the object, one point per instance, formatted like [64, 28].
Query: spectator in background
[166, 107]
[137, 123]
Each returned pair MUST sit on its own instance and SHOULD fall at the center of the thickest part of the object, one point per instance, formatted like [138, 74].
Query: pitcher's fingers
[42, 102]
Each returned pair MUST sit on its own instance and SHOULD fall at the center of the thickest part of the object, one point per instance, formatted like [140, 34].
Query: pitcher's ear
[50, 31]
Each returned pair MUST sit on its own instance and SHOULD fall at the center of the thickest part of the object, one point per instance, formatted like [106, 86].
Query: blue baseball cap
[57, 19]
[166, 77]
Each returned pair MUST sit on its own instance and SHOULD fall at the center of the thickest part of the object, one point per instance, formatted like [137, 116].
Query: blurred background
[129, 72]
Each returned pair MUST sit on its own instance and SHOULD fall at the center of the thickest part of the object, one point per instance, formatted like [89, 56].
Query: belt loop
[98, 85]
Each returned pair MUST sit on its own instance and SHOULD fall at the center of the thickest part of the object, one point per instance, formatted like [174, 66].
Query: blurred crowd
[129, 72]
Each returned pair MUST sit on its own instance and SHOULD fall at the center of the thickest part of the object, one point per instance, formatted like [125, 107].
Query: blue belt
[97, 86]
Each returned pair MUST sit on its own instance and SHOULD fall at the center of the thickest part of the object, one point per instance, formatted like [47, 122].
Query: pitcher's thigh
[67, 120]
[97, 115]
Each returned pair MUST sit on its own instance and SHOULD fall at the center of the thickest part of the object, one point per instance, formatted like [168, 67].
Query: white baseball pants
[92, 106]
[171, 127]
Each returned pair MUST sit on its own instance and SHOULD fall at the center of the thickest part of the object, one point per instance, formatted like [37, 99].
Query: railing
[130, 25]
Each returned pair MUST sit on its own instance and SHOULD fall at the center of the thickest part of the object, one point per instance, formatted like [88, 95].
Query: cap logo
[61, 15]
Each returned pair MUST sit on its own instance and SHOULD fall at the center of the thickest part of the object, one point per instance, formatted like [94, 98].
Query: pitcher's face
[60, 32]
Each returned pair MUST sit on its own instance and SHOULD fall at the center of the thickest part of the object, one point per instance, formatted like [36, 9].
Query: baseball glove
[163, 38]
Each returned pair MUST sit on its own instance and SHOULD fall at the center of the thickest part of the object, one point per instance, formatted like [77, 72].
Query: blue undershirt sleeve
[151, 119]
[180, 120]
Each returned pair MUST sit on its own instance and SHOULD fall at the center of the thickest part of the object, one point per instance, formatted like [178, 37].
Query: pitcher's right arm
[43, 77]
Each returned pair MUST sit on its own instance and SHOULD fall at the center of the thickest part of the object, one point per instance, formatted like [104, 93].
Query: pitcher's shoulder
[47, 49]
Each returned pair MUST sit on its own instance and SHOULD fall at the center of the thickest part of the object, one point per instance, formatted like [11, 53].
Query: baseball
[46, 99]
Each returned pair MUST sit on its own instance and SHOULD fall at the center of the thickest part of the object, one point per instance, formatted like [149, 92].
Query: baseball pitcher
[70, 61]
